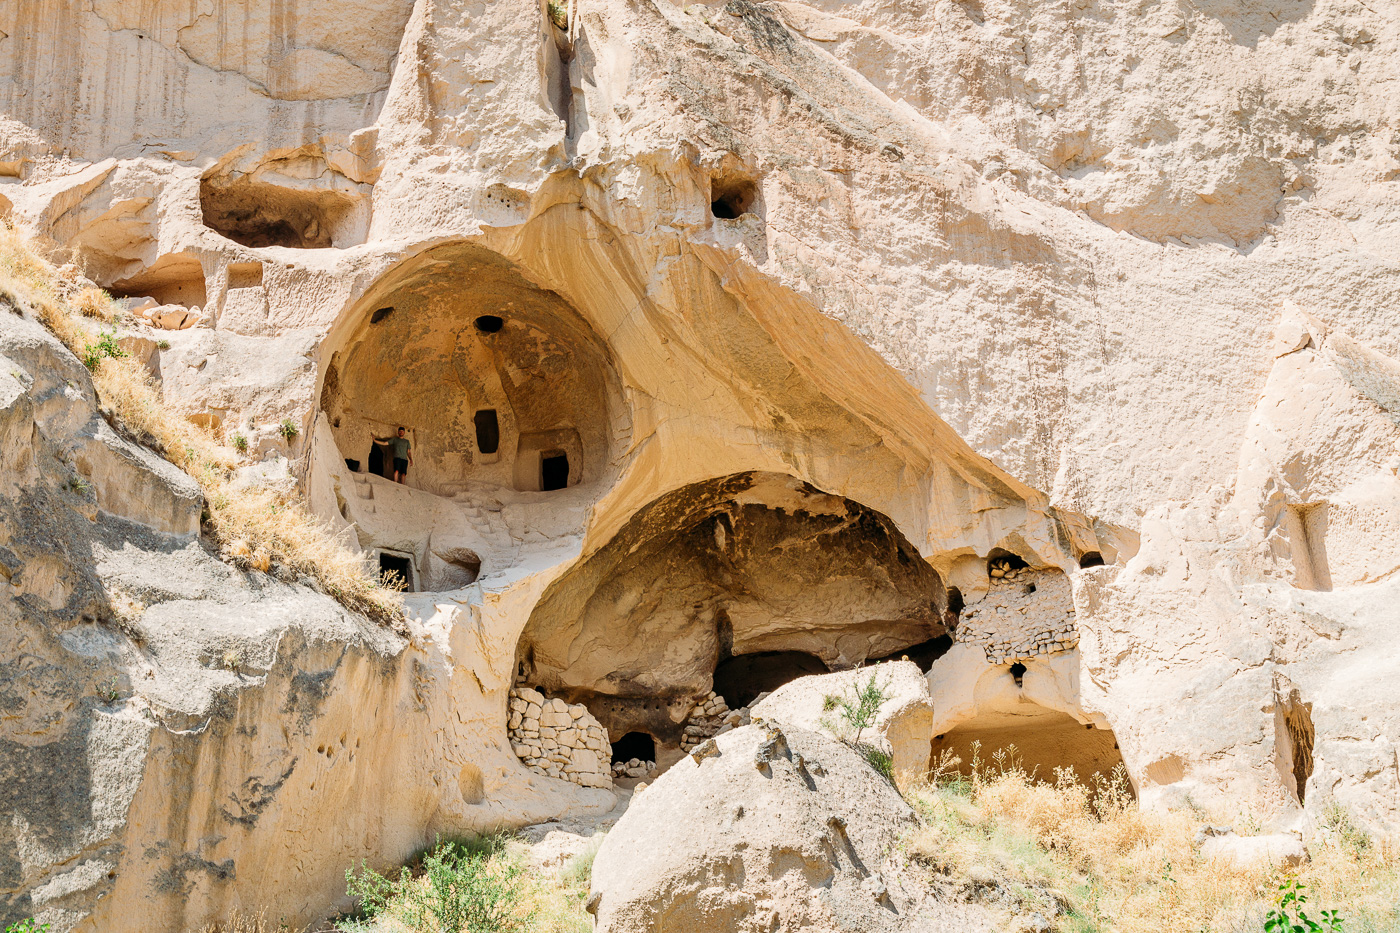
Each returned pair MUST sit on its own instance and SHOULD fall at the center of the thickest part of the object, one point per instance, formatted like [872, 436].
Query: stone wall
[559, 739]
[1026, 613]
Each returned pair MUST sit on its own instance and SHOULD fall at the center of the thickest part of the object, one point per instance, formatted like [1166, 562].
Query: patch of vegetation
[462, 888]
[239, 442]
[109, 691]
[254, 527]
[106, 348]
[1084, 856]
[162, 344]
[27, 926]
[288, 430]
[559, 13]
[76, 484]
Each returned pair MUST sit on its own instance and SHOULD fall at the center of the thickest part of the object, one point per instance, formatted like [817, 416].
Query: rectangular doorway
[554, 470]
[400, 565]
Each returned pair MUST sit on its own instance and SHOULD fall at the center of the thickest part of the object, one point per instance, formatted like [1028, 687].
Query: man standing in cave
[403, 455]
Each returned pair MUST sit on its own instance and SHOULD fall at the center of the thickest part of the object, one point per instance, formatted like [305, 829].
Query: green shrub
[162, 344]
[463, 888]
[27, 926]
[1288, 915]
[288, 429]
[239, 442]
[858, 707]
[879, 760]
[106, 347]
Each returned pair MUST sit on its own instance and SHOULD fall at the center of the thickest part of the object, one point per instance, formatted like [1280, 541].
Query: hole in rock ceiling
[489, 323]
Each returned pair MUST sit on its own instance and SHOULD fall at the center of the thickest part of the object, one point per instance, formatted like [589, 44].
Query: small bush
[109, 691]
[1288, 915]
[106, 348]
[559, 13]
[857, 708]
[878, 759]
[239, 442]
[162, 344]
[462, 889]
[27, 926]
[288, 430]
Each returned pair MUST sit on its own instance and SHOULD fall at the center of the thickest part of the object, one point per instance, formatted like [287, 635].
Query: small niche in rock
[1091, 559]
[1018, 672]
[732, 196]
[380, 314]
[245, 274]
[554, 470]
[489, 324]
[922, 654]
[257, 214]
[173, 279]
[1005, 561]
[488, 432]
[742, 678]
[400, 565]
[638, 745]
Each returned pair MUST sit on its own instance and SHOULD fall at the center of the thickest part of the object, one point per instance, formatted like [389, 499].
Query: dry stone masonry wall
[559, 739]
[1025, 614]
[711, 717]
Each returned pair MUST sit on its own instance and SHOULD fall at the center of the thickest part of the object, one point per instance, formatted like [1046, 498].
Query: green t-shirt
[400, 445]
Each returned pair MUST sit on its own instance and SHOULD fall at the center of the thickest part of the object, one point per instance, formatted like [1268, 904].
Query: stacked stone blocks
[558, 739]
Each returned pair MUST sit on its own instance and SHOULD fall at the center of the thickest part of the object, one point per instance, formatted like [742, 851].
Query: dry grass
[1109, 866]
[255, 528]
[249, 923]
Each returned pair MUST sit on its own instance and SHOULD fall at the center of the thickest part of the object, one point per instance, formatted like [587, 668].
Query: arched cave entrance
[507, 396]
[520, 404]
[739, 584]
[1037, 738]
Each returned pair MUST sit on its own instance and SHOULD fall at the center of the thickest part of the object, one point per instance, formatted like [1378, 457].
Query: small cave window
[245, 274]
[1091, 559]
[173, 279]
[396, 565]
[554, 470]
[1005, 560]
[638, 745]
[731, 198]
[1018, 671]
[489, 324]
[488, 431]
[380, 314]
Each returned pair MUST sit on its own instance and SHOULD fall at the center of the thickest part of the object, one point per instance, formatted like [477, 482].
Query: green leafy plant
[857, 708]
[109, 691]
[239, 442]
[288, 429]
[78, 485]
[878, 759]
[162, 344]
[463, 888]
[28, 925]
[1288, 915]
[106, 346]
[559, 13]
[233, 659]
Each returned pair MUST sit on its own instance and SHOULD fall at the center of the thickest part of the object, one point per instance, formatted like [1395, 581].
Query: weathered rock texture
[769, 827]
[722, 332]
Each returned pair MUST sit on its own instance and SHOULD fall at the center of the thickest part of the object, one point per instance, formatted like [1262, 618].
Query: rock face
[770, 828]
[742, 337]
[903, 722]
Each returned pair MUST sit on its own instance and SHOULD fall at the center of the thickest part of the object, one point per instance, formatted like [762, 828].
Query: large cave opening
[521, 404]
[1038, 739]
[734, 585]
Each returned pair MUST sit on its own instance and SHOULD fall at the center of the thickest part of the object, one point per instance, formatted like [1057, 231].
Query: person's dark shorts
[400, 466]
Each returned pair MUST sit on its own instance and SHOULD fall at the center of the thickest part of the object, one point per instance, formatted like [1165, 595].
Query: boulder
[904, 721]
[777, 829]
[1282, 850]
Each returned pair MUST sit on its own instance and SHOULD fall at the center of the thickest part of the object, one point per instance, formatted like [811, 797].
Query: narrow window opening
[396, 568]
[554, 470]
[638, 745]
[488, 431]
[489, 323]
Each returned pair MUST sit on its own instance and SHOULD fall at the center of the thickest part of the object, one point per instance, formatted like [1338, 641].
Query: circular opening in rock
[489, 324]
[636, 745]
